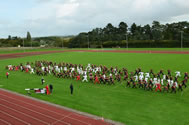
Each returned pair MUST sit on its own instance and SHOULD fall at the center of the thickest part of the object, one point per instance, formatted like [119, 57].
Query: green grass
[127, 105]
[20, 50]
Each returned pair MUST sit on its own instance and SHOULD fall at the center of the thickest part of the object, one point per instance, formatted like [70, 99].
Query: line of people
[104, 75]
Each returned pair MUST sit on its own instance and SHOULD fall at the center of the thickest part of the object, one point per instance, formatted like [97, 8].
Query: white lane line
[5, 122]
[24, 114]
[16, 118]
[61, 119]
[32, 111]
[46, 109]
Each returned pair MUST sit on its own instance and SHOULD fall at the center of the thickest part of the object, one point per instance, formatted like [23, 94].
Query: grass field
[28, 49]
[127, 105]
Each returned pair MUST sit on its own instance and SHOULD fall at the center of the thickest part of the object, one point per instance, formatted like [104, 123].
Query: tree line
[154, 35]
[149, 35]
[28, 41]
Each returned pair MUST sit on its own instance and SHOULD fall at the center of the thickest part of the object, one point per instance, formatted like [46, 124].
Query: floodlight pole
[126, 38]
[23, 45]
[88, 40]
[181, 39]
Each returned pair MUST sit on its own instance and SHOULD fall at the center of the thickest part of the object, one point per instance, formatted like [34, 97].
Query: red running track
[17, 55]
[20, 110]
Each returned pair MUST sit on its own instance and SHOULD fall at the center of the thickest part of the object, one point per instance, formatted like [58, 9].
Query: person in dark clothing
[184, 83]
[42, 80]
[165, 88]
[180, 87]
[51, 88]
[71, 88]
[128, 84]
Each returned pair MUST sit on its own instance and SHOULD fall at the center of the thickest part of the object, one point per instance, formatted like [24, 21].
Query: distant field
[28, 49]
[127, 105]
[21, 50]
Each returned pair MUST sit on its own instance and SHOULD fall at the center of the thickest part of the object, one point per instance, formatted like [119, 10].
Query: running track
[20, 110]
[17, 55]
[17, 109]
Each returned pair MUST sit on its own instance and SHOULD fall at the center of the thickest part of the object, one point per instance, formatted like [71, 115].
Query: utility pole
[62, 43]
[88, 40]
[23, 44]
[126, 38]
[181, 39]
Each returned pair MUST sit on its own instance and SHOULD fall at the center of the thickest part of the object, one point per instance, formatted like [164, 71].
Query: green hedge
[146, 44]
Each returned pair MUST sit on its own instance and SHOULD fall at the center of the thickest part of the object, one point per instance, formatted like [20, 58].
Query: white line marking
[61, 119]
[33, 111]
[5, 122]
[45, 109]
[16, 118]
[25, 114]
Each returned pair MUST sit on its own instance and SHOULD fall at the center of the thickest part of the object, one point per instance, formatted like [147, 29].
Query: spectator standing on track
[7, 74]
[51, 88]
[71, 88]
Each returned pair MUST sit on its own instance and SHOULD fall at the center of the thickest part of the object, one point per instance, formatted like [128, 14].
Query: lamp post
[23, 45]
[88, 40]
[126, 38]
[62, 43]
[181, 39]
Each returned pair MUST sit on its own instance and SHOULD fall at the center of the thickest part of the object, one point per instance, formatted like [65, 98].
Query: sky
[70, 17]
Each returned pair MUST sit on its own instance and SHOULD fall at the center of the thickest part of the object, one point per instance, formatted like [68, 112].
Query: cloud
[64, 17]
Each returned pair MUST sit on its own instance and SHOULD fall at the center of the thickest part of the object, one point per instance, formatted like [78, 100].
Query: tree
[122, 30]
[28, 37]
[133, 30]
[109, 30]
[157, 31]
[9, 37]
[147, 32]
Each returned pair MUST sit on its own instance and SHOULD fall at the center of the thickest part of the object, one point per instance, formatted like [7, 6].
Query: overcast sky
[70, 17]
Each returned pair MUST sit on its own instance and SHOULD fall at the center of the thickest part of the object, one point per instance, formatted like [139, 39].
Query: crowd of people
[163, 80]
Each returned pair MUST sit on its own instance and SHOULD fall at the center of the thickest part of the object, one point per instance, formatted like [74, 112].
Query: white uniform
[171, 83]
[141, 73]
[28, 66]
[155, 81]
[58, 70]
[83, 72]
[32, 72]
[146, 79]
[147, 75]
[177, 74]
[21, 67]
[176, 84]
[141, 77]
[65, 69]
[162, 82]
[89, 66]
[104, 76]
[158, 81]
[43, 68]
[72, 69]
[164, 77]
[84, 78]
[136, 78]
